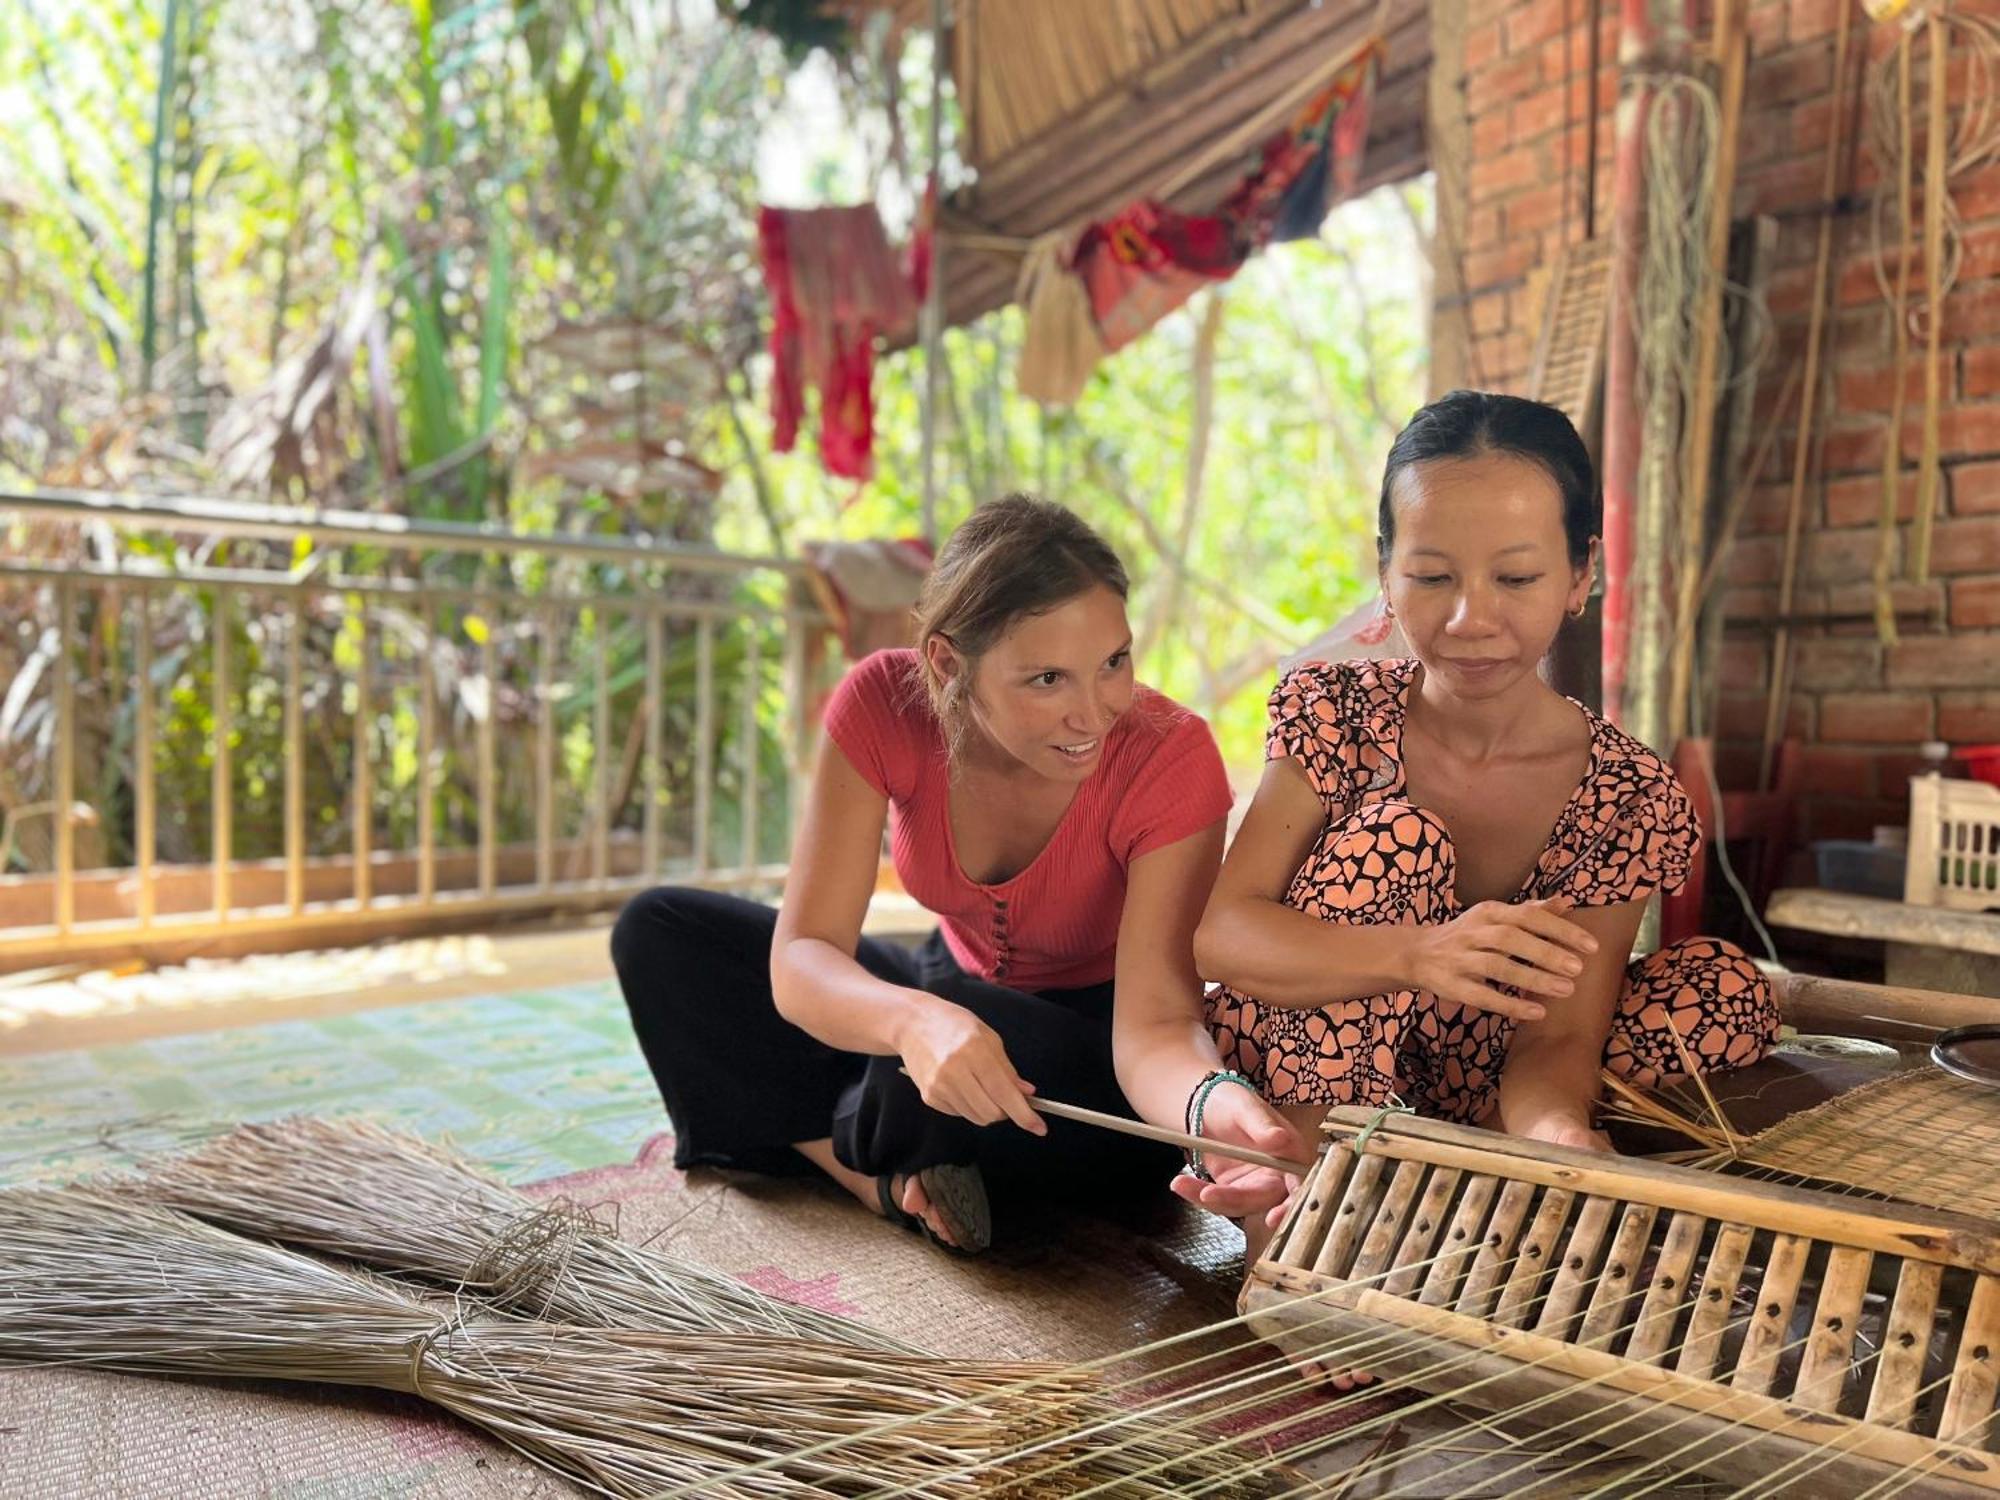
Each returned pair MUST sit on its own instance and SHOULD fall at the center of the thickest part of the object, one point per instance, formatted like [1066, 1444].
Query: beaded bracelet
[1197, 1103]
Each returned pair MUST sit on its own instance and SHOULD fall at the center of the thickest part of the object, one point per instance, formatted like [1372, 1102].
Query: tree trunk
[1166, 602]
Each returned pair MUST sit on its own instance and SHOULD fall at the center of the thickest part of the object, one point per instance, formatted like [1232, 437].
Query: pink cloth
[1055, 924]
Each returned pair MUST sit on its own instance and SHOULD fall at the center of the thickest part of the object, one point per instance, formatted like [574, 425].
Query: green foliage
[499, 170]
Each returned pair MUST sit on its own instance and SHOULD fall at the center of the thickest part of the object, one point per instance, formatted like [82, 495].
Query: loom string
[1289, 1360]
[1034, 1382]
[1540, 1401]
[1732, 1424]
[1909, 1474]
[1448, 1366]
[1521, 1408]
[1282, 1362]
[1896, 1484]
[1469, 1357]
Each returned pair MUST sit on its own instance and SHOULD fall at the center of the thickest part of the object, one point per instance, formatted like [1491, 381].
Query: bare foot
[908, 1191]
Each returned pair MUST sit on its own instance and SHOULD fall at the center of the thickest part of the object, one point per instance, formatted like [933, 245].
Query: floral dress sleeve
[1312, 724]
[1640, 836]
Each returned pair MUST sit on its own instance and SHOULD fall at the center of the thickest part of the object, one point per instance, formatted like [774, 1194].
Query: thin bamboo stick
[363, 815]
[145, 810]
[222, 790]
[65, 695]
[295, 754]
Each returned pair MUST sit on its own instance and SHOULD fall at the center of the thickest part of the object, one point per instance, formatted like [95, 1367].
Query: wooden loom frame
[1359, 1254]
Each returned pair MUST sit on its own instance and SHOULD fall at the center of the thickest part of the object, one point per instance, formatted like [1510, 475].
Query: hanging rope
[1895, 100]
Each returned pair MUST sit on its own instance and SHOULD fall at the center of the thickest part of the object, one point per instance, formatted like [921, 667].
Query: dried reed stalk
[1639, 1107]
[91, 1278]
[402, 1204]
[398, 1203]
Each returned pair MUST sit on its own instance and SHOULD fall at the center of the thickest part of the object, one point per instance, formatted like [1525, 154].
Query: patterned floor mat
[532, 1084]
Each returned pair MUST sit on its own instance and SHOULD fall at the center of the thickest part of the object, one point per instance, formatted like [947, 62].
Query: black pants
[742, 1084]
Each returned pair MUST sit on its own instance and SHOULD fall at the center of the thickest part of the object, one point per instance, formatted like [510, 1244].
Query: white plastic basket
[1954, 844]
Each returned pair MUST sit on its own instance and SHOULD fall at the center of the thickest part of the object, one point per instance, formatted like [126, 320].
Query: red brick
[1973, 309]
[1823, 664]
[1482, 228]
[1503, 81]
[1491, 135]
[1968, 428]
[1766, 25]
[1858, 501]
[1872, 387]
[1975, 605]
[1819, 18]
[1537, 208]
[1739, 716]
[1876, 718]
[1754, 560]
[1538, 114]
[1765, 514]
[1841, 773]
[1789, 184]
[1945, 661]
[1852, 450]
[1914, 603]
[1975, 488]
[1859, 333]
[1489, 313]
[1969, 718]
[1740, 666]
[1482, 46]
[1979, 250]
[1968, 546]
[1982, 371]
[1840, 556]
[1978, 196]
[1749, 602]
[1789, 75]
[1517, 168]
[1531, 21]
[1485, 268]
[1811, 121]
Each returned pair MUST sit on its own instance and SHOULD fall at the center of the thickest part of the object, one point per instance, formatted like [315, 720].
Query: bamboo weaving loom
[1792, 1341]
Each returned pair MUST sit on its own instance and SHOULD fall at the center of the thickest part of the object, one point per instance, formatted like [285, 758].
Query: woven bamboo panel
[1570, 353]
[1923, 1136]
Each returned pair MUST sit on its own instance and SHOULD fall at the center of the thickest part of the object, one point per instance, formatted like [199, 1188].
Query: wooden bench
[1928, 947]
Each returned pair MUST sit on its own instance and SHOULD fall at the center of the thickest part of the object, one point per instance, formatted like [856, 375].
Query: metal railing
[391, 682]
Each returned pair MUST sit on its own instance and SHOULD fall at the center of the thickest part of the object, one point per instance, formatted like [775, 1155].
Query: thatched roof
[1076, 107]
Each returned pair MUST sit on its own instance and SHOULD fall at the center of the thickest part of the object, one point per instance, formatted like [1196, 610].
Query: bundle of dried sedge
[400, 1204]
[396, 1202]
[93, 1278]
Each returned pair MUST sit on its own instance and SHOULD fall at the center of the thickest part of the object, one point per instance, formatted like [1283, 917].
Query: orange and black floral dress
[1627, 831]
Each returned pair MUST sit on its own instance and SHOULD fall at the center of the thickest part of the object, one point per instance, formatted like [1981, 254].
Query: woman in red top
[1064, 824]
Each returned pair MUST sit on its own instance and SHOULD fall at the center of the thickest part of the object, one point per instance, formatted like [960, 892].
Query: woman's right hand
[961, 1068]
[1532, 947]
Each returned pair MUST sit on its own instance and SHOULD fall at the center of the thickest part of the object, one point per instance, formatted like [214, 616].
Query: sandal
[958, 1193]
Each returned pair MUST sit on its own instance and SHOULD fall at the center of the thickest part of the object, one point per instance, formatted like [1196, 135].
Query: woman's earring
[1578, 612]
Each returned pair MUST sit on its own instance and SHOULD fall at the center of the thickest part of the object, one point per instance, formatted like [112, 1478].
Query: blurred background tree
[495, 259]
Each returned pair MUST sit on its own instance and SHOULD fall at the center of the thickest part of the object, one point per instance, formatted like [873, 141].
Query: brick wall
[1862, 708]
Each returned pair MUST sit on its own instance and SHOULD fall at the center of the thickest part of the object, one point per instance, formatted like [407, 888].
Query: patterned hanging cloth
[836, 286]
[1148, 259]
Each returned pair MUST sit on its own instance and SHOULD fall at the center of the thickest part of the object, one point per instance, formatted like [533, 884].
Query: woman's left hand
[1240, 1117]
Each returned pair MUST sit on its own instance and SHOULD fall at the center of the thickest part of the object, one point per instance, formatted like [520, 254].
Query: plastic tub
[1859, 868]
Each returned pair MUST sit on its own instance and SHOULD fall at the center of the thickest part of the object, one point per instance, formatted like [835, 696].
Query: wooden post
[1731, 50]
[933, 312]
